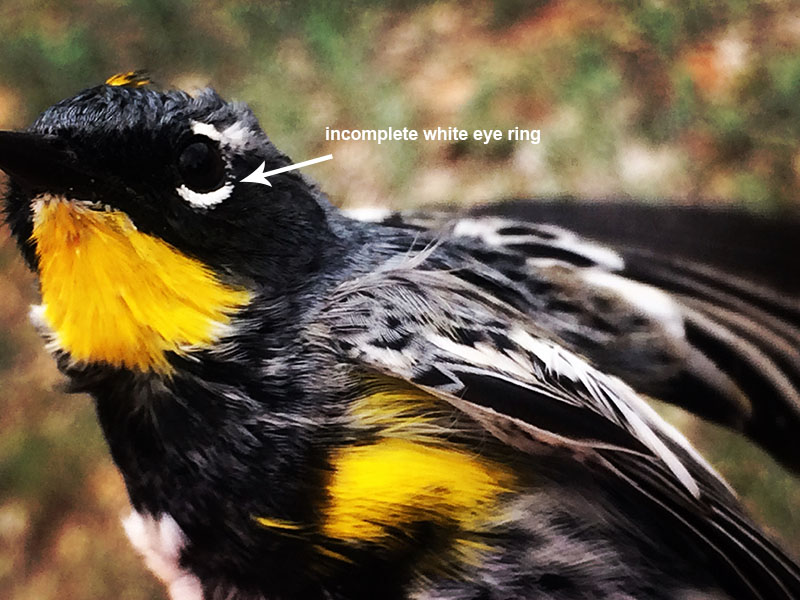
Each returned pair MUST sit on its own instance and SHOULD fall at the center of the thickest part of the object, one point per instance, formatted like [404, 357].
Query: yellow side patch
[394, 483]
[115, 295]
[278, 524]
[400, 410]
[129, 79]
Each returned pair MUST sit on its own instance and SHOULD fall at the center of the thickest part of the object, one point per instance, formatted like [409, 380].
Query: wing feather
[697, 307]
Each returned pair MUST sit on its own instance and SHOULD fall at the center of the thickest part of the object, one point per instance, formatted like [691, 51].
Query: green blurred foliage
[684, 100]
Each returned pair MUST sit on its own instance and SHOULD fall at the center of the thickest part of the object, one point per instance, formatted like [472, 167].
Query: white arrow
[259, 176]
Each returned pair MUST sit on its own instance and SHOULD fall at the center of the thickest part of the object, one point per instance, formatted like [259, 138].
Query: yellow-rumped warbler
[303, 405]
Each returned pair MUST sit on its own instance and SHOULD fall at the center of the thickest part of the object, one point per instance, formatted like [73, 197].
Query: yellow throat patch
[114, 295]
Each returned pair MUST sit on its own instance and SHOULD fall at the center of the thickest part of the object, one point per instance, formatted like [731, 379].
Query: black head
[173, 163]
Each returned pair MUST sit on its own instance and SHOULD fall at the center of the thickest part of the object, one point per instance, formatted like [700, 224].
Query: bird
[307, 405]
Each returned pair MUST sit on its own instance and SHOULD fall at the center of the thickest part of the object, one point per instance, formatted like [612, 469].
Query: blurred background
[653, 101]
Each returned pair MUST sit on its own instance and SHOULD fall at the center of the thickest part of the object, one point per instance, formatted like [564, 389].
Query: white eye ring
[207, 130]
[208, 199]
[233, 136]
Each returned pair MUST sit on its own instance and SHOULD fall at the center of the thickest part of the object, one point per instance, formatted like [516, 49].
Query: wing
[440, 332]
[700, 308]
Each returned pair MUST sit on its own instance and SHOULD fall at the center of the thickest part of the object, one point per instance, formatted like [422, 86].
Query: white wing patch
[605, 389]
[488, 230]
[554, 357]
[649, 300]
[485, 355]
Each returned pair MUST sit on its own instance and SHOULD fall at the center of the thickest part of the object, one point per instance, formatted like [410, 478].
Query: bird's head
[128, 203]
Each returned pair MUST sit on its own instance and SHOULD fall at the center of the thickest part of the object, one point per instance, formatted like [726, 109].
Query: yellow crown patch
[129, 79]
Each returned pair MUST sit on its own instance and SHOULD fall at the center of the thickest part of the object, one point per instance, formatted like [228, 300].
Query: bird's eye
[200, 165]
